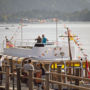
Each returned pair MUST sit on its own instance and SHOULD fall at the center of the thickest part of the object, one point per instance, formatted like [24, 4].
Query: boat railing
[29, 43]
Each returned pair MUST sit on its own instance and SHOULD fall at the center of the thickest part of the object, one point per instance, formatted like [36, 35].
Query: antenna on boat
[21, 32]
[56, 31]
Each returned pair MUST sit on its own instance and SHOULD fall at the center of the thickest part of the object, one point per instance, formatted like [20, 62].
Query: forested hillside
[72, 10]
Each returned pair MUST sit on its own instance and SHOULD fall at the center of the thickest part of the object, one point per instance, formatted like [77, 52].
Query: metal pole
[21, 32]
[21, 35]
[3, 46]
[65, 72]
[56, 33]
[81, 69]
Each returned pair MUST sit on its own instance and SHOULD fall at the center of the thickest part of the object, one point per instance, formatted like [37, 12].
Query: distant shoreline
[60, 22]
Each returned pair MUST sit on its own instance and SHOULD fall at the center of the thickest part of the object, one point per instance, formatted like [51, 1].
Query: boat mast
[69, 46]
[21, 35]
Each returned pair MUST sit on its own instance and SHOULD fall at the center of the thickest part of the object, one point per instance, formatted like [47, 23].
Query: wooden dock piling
[18, 79]
[7, 78]
[30, 82]
[47, 81]
[77, 74]
[59, 77]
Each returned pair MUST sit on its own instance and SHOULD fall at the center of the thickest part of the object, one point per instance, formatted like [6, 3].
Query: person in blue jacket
[44, 39]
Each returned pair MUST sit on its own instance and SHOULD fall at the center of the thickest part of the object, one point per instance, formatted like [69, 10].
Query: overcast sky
[50, 5]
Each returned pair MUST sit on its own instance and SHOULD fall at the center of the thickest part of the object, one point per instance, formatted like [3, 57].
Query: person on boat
[39, 42]
[1, 60]
[9, 44]
[44, 39]
[6, 39]
[39, 39]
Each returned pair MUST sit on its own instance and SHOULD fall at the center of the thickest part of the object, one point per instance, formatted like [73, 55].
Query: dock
[53, 80]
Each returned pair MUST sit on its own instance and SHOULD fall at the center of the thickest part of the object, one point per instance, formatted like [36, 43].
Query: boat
[6, 28]
[48, 52]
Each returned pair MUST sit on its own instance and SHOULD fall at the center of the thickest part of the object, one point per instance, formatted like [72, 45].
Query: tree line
[83, 15]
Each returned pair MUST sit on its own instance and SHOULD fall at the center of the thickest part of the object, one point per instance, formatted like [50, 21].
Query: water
[31, 31]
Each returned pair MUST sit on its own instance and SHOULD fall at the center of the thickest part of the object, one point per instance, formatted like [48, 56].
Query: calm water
[31, 31]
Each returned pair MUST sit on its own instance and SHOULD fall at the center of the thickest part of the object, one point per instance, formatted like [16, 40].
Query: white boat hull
[43, 53]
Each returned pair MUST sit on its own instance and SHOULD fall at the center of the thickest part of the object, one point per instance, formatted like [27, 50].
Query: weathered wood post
[5, 64]
[13, 79]
[11, 65]
[77, 74]
[18, 79]
[47, 81]
[11, 70]
[59, 77]
[7, 78]
[73, 68]
[30, 77]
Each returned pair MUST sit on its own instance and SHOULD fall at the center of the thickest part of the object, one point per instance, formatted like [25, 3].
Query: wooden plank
[70, 85]
[71, 76]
